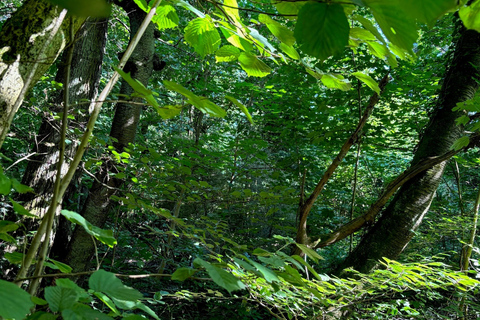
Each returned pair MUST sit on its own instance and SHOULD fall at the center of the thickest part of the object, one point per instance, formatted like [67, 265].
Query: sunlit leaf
[253, 66]
[335, 81]
[202, 35]
[104, 236]
[312, 254]
[19, 209]
[227, 53]
[165, 17]
[290, 51]
[282, 33]
[469, 16]
[242, 107]
[365, 78]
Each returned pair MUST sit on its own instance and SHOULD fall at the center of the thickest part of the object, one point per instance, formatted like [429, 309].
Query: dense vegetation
[254, 160]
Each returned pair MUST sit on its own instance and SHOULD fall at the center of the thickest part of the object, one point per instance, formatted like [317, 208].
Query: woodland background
[256, 159]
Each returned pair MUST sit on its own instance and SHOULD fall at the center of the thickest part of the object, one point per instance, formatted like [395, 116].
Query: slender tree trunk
[27, 52]
[124, 127]
[392, 233]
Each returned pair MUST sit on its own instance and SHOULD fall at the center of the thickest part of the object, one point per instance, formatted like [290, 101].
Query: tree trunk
[84, 79]
[24, 55]
[124, 126]
[394, 230]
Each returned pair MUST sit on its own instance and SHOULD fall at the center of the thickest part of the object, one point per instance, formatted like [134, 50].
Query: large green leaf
[60, 298]
[365, 78]
[139, 88]
[221, 277]
[104, 236]
[322, 29]
[288, 8]
[470, 16]
[227, 53]
[242, 107]
[235, 39]
[165, 17]
[282, 33]
[202, 35]
[107, 283]
[85, 8]
[428, 11]
[231, 9]
[397, 24]
[290, 51]
[335, 81]
[268, 274]
[253, 66]
[7, 226]
[82, 312]
[14, 302]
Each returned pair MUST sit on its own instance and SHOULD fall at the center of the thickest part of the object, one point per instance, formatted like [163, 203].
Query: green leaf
[60, 298]
[237, 40]
[230, 8]
[335, 81]
[462, 120]
[64, 268]
[288, 8]
[104, 236]
[312, 254]
[107, 283]
[131, 305]
[469, 16]
[322, 29]
[242, 107]
[181, 274]
[188, 6]
[7, 226]
[201, 103]
[169, 111]
[428, 11]
[202, 35]
[253, 66]
[107, 301]
[85, 8]
[260, 40]
[227, 53]
[165, 17]
[5, 184]
[221, 277]
[139, 88]
[15, 303]
[460, 143]
[268, 274]
[19, 209]
[67, 283]
[367, 24]
[142, 4]
[365, 78]
[14, 257]
[290, 51]
[20, 188]
[82, 312]
[397, 24]
[282, 33]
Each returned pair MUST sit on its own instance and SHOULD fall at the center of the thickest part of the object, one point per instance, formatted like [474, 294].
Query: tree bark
[124, 127]
[84, 80]
[394, 230]
[24, 58]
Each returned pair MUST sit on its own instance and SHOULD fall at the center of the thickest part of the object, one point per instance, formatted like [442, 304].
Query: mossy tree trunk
[124, 127]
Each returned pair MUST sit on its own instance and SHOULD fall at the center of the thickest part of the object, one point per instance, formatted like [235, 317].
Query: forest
[239, 159]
